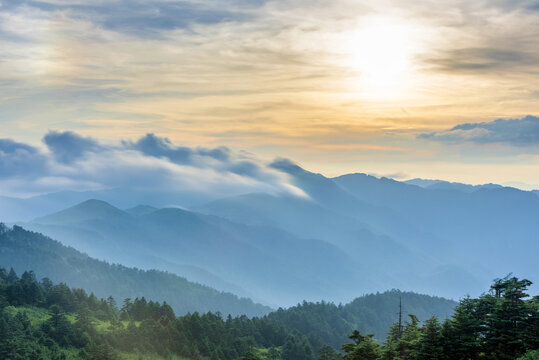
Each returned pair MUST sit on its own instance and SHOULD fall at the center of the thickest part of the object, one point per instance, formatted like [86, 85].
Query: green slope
[23, 250]
[327, 323]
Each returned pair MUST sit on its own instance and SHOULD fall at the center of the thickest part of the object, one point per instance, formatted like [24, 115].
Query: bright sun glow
[382, 51]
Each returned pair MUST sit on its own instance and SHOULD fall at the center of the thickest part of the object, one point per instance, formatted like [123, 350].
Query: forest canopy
[43, 320]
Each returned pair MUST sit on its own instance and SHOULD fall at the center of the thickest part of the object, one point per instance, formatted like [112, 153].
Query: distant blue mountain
[446, 185]
[266, 263]
[488, 227]
[441, 239]
[25, 209]
[431, 236]
[24, 250]
[395, 252]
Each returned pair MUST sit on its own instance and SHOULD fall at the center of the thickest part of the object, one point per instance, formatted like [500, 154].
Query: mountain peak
[86, 210]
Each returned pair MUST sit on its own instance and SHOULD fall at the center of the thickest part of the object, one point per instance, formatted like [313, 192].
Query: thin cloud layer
[516, 132]
[151, 163]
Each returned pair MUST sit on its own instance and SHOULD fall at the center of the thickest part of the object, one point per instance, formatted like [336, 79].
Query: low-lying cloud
[515, 132]
[19, 160]
[68, 146]
[150, 163]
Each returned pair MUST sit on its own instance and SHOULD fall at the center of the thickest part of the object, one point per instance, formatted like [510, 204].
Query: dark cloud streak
[516, 132]
[144, 18]
[162, 147]
[68, 146]
[483, 59]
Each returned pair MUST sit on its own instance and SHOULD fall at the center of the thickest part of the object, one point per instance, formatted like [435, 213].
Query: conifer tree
[363, 347]
[430, 344]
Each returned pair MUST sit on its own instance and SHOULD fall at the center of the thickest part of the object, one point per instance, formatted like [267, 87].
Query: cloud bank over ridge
[516, 132]
[152, 163]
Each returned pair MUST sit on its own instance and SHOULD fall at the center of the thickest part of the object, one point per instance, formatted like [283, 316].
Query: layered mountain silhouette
[487, 227]
[323, 322]
[260, 261]
[346, 236]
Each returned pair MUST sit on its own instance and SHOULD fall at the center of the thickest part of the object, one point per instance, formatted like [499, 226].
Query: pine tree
[430, 344]
[408, 343]
[327, 353]
[363, 347]
[508, 318]
[466, 326]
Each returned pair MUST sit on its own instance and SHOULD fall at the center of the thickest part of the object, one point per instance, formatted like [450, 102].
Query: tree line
[502, 324]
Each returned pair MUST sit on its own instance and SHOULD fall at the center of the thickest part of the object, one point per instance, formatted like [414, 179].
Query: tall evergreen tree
[362, 347]
[505, 338]
[431, 344]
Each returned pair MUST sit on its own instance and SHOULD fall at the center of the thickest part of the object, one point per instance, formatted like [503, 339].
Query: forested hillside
[327, 323]
[40, 320]
[502, 324]
[23, 250]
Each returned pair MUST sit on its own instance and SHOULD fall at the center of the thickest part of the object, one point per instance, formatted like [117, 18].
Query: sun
[381, 53]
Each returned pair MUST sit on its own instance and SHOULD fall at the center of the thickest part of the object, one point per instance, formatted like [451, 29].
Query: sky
[432, 89]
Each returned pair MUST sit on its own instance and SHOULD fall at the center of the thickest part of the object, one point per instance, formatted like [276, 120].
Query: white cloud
[28, 170]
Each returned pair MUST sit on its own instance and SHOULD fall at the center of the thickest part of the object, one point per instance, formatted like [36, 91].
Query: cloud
[162, 147]
[516, 132]
[140, 18]
[151, 163]
[532, 5]
[68, 146]
[484, 59]
[18, 159]
[220, 159]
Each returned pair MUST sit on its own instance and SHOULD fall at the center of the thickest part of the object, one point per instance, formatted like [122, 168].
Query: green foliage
[250, 356]
[499, 325]
[327, 323]
[43, 320]
[530, 355]
[297, 347]
[64, 319]
[326, 352]
[363, 347]
[507, 319]
[431, 344]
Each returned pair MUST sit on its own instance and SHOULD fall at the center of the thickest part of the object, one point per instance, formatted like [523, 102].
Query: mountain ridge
[23, 250]
[241, 254]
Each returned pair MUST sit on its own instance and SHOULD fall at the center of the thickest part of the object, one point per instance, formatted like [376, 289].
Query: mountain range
[343, 237]
[322, 322]
[262, 262]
